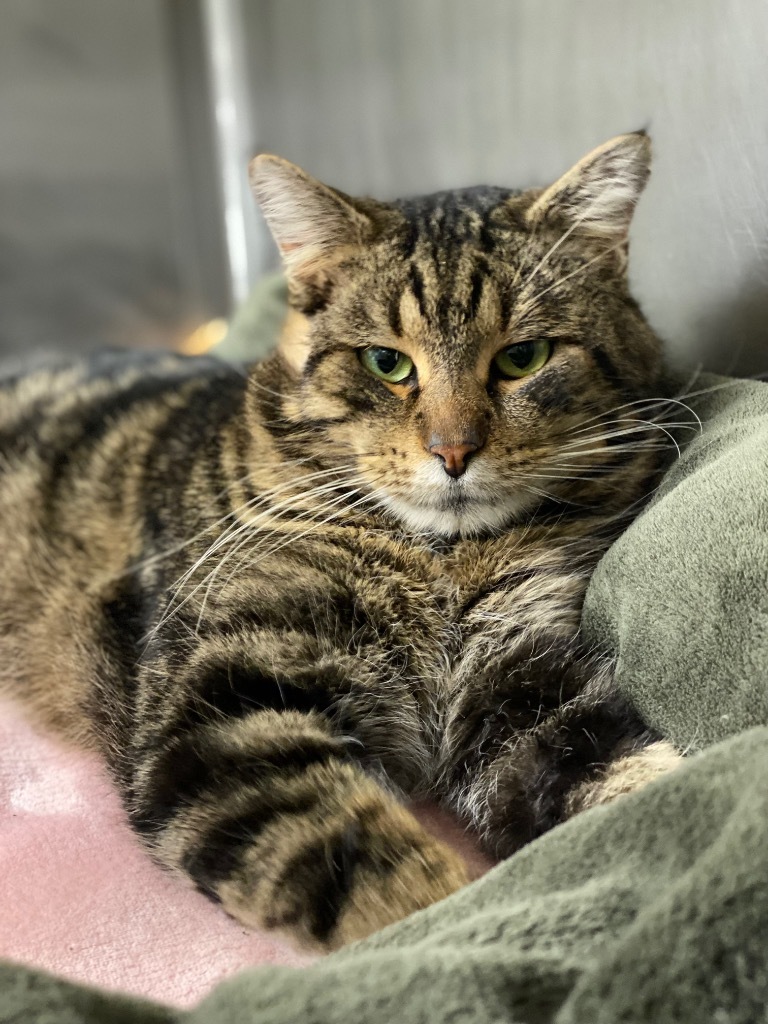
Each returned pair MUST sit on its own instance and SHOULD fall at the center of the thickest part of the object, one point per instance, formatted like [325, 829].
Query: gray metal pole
[246, 238]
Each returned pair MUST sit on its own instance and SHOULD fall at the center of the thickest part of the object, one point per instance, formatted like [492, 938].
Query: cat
[281, 601]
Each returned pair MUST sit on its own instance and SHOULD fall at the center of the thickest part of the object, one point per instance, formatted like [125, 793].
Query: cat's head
[462, 356]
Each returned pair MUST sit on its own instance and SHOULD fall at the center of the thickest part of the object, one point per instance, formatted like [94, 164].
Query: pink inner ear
[289, 246]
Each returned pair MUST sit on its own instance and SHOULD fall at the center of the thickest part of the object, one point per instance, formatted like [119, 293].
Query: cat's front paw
[625, 775]
[388, 884]
[333, 880]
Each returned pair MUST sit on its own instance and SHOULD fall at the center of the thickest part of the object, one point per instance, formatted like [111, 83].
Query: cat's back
[81, 443]
[49, 409]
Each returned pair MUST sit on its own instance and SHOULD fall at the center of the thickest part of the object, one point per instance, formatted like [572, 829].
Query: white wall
[110, 224]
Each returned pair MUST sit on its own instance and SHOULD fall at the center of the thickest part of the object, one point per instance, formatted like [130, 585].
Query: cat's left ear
[314, 225]
[597, 197]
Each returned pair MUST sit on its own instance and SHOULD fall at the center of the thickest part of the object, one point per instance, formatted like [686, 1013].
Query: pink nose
[454, 456]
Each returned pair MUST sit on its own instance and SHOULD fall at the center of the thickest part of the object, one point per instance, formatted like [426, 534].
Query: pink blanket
[79, 897]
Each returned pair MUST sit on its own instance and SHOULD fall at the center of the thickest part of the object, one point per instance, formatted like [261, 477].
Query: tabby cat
[280, 602]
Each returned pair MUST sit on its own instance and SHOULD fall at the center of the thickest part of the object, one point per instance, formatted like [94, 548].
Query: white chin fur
[466, 507]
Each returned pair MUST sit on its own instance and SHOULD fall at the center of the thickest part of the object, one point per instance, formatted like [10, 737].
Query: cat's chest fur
[430, 633]
[435, 609]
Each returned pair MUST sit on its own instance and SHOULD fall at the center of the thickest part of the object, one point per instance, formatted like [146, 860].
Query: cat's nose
[454, 456]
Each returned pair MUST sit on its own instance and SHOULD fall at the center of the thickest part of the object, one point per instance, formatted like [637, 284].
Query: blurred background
[126, 127]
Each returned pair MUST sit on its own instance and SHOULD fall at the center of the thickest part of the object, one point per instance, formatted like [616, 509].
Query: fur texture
[269, 603]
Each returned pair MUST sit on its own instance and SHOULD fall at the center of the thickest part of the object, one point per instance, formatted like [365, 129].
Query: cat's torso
[141, 598]
[422, 618]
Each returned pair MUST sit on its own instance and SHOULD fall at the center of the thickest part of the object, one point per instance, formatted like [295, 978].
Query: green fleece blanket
[653, 909]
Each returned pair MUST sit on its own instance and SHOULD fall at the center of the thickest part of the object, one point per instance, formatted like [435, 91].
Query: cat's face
[454, 355]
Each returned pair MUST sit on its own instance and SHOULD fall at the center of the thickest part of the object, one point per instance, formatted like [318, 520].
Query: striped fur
[268, 605]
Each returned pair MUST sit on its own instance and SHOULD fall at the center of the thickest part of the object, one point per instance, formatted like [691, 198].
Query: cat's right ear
[314, 226]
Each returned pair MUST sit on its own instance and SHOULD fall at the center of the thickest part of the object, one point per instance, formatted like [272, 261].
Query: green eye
[387, 363]
[522, 359]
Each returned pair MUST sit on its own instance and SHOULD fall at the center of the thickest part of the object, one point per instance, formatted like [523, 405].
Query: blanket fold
[681, 598]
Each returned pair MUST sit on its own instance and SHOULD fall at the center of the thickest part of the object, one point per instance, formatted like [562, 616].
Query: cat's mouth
[470, 506]
[462, 517]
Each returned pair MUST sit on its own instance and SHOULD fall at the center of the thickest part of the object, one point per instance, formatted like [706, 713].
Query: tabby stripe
[510, 581]
[519, 701]
[111, 365]
[325, 872]
[19, 435]
[326, 869]
[77, 428]
[360, 398]
[486, 238]
[417, 287]
[316, 358]
[232, 690]
[393, 316]
[443, 309]
[294, 606]
[314, 297]
[570, 747]
[226, 688]
[322, 873]
[407, 239]
[187, 437]
[102, 417]
[605, 364]
[505, 308]
[548, 390]
[577, 746]
[219, 851]
[241, 440]
[282, 429]
[268, 406]
[196, 766]
[479, 277]
[126, 619]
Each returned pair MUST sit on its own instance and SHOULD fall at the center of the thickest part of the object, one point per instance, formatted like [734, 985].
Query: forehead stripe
[417, 287]
[478, 283]
[505, 307]
[393, 315]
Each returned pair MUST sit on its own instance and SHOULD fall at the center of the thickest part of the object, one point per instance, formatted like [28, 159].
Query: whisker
[167, 552]
[315, 526]
[254, 382]
[553, 248]
[262, 539]
[579, 270]
[173, 607]
[640, 426]
[643, 404]
[236, 528]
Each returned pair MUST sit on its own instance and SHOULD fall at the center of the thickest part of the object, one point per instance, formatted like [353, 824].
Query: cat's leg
[552, 738]
[246, 777]
[623, 774]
